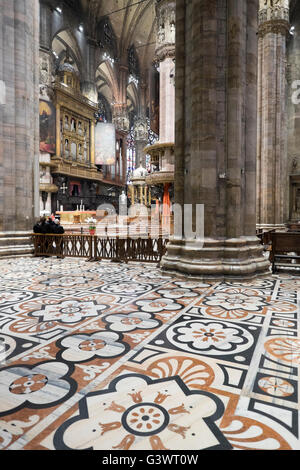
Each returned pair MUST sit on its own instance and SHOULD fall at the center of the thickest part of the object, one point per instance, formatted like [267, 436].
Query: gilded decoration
[75, 129]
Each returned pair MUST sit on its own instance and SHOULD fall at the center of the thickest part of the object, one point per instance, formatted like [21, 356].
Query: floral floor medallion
[99, 355]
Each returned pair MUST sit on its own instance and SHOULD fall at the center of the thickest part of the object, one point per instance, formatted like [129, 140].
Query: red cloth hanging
[166, 201]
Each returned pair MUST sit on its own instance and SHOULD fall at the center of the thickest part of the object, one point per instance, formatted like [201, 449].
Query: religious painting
[154, 100]
[47, 127]
[105, 144]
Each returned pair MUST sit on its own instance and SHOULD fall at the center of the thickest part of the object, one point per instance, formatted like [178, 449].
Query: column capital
[141, 129]
[120, 117]
[165, 24]
[273, 17]
[274, 26]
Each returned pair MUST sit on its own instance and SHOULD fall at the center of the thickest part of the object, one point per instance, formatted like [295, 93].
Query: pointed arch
[64, 40]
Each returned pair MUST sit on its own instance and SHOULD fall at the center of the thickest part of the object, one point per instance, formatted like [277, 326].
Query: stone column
[141, 125]
[45, 44]
[141, 140]
[119, 110]
[293, 119]
[19, 124]
[89, 88]
[272, 187]
[46, 80]
[165, 55]
[215, 139]
[120, 117]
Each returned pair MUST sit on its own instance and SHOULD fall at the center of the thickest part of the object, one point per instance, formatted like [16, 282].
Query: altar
[75, 217]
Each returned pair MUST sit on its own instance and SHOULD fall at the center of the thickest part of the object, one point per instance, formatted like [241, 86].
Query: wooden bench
[285, 250]
[265, 236]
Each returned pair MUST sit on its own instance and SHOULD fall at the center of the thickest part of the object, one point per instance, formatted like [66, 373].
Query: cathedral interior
[163, 138]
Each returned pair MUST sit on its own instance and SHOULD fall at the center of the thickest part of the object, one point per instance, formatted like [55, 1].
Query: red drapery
[166, 201]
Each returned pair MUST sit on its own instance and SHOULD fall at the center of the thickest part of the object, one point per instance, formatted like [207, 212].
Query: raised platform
[13, 244]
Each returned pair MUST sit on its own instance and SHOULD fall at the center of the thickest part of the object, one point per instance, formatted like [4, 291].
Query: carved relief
[274, 26]
[141, 129]
[45, 76]
[271, 10]
[165, 12]
[120, 118]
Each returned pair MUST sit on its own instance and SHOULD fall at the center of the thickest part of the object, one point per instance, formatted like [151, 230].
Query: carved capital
[274, 26]
[120, 117]
[165, 25]
[141, 129]
[270, 10]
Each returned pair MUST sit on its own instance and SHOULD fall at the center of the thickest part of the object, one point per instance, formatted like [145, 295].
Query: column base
[240, 258]
[15, 244]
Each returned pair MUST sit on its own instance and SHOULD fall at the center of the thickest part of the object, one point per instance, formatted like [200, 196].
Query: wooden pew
[285, 249]
[264, 236]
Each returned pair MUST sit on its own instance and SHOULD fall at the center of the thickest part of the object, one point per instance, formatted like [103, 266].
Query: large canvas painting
[105, 144]
[47, 127]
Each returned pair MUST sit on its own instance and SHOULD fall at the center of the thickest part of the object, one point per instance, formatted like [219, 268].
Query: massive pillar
[46, 80]
[215, 139]
[141, 125]
[141, 140]
[293, 116]
[162, 152]
[89, 89]
[272, 165]
[120, 112]
[19, 124]
[165, 55]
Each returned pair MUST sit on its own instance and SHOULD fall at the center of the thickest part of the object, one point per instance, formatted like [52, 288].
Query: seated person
[58, 228]
[41, 226]
[50, 226]
[59, 242]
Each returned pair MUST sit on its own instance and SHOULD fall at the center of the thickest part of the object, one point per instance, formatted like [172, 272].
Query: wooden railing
[96, 248]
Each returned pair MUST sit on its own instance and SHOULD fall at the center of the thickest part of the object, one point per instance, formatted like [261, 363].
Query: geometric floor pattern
[119, 356]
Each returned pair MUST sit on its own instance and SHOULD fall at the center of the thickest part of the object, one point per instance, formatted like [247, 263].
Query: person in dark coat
[41, 226]
[51, 226]
[59, 230]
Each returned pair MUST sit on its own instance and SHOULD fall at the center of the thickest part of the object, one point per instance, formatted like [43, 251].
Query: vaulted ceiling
[133, 22]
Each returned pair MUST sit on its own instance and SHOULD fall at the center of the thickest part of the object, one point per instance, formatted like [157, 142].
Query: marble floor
[99, 355]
